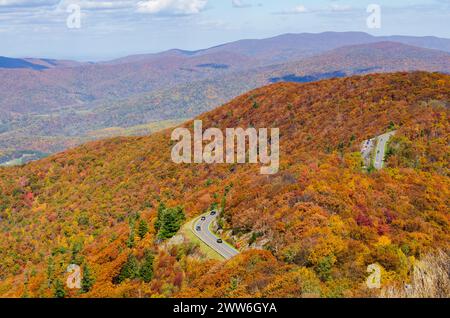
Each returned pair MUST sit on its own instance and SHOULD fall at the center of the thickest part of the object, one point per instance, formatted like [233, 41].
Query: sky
[116, 28]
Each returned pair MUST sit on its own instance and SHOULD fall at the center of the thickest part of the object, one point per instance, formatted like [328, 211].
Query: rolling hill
[191, 99]
[288, 47]
[376, 57]
[310, 230]
[63, 103]
[39, 85]
[11, 63]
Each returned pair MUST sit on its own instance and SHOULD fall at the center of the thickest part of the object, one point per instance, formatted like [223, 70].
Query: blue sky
[115, 28]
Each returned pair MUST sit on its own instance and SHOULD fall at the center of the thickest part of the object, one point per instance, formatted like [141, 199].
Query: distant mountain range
[35, 63]
[288, 47]
[279, 49]
[48, 105]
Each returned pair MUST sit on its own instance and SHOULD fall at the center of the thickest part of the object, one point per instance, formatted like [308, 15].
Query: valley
[20, 157]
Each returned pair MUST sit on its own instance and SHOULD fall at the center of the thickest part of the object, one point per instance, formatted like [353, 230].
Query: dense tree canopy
[310, 230]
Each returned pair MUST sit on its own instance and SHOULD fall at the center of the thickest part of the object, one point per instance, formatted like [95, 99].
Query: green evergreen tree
[129, 270]
[59, 291]
[130, 241]
[172, 219]
[88, 280]
[146, 272]
[76, 249]
[143, 228]
[161, 211]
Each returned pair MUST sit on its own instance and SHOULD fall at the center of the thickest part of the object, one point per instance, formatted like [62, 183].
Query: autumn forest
[121, 209]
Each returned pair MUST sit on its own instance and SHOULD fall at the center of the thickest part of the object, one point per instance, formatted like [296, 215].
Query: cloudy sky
[114, 28]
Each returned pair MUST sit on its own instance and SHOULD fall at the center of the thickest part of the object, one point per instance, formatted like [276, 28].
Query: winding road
[202, 229]
[380, 149]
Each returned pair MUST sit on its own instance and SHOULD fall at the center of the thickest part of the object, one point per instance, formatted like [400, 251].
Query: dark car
[213, 212]
[219, 241]
[198, 228]
[203, 218]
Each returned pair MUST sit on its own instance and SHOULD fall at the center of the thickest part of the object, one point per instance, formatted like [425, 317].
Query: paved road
[366, 151]
[202, 230]
[382, 140]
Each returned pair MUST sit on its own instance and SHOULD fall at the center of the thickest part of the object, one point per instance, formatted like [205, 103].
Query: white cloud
[172, 7]
[300, 9]
[296, 10]
[94, 5]
[26, 3]
[98, 4]
[240, 4]
[340, 8]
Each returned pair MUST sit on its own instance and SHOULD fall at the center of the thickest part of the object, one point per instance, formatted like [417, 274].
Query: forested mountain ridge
[48, 106]
[294, 46]
[320, 221]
